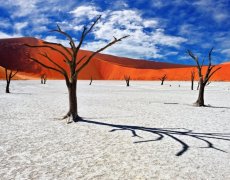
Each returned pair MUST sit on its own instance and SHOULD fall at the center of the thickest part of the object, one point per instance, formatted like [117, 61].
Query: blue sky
[160, 30]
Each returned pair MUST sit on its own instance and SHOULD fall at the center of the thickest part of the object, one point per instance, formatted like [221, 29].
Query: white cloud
[119, 4]
[125, 49]
[78, 28]
[56, 40]
[19, 26]
[5, 35]
[4, 23]
[226, 51]
[150, 23]
[23, 8]
[160, 38]
[194, 34]
[118, 23]
[85, 11]
[40, 29]
[173, 53]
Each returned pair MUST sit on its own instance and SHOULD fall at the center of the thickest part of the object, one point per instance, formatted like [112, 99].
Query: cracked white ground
[145, 131]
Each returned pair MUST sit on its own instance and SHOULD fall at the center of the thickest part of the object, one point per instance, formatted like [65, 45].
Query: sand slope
[104, 67]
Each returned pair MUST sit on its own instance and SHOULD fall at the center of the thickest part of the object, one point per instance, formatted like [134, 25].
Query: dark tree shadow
[173, 133]
[218, 107]
[207, 106]
[21, 93]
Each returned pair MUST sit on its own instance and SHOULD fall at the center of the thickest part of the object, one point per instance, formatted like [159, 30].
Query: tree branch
[96, 52]
[210, 57]
[60, 45]
[84, 34]
[72, 44]
[13, 74]
[47, 57]
[45, 66]
[81, 39]
[47, 46]
[81, 60]
[212, 74]
[194, 57]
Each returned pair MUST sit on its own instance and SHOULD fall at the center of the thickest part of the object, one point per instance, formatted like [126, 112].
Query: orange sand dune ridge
[14, 55]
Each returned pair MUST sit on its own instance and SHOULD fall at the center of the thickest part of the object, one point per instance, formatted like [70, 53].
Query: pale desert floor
[145, 131]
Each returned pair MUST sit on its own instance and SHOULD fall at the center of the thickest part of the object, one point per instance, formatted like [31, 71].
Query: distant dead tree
[91, 80]
[43, 78]
[192, 79]
[163, 78]
[9, 76]
[73, 62]
[203, 80]
[127, 79]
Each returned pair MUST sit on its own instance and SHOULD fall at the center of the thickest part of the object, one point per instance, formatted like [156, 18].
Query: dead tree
[73, 62]
[43, 78]
[203, 79]
[192, 79]
[91, 80]
[9, 76]
[127, 79]
[163, 78]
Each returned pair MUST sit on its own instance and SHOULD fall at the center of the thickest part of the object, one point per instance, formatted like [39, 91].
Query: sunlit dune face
[14, 55]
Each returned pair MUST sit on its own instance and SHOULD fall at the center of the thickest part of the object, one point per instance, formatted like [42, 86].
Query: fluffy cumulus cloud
[85, 11]
[20, 25]
[145, 35]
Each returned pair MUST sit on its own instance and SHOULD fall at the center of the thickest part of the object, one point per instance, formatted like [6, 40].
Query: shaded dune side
[14, 55]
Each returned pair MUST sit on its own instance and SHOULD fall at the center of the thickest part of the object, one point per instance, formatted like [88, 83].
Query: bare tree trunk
[198, 86]
[192, 85]
[7, 86]
[200, 100]
[127, 83]
[73, 112]
[127, 79]
[45, 79]
[192, 79]
[91, 80]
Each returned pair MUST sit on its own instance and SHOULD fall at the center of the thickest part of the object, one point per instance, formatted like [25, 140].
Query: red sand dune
[14, 55]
